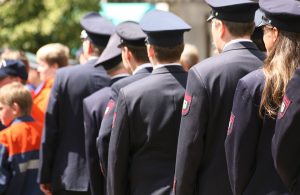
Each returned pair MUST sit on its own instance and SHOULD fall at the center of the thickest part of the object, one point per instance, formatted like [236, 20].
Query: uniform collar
[235, 41]
[120, 75]
[26, 118]
[147, 65]
[164, 65]
[168, 68]
[93, 58]
[240, 45]
[117, 78]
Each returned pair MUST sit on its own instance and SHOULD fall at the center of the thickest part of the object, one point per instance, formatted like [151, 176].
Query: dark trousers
[64, 192]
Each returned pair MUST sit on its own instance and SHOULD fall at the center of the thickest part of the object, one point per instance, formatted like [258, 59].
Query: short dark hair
[97, 50]
[239, 29]
[168, 54]
[138, 52]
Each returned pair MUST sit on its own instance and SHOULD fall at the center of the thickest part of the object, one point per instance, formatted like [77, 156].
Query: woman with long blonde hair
[257, 100]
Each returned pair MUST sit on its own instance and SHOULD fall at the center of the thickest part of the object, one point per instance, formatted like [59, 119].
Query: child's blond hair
[16, 93]
[54, 53]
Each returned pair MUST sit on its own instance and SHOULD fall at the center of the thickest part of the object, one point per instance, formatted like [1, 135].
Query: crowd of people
[141, 114]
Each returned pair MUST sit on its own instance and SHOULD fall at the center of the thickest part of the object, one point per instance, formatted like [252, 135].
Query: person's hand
[46, 188]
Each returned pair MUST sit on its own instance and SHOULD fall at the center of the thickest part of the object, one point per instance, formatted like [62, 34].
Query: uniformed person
[63, 168]
[257, 35]
[135, 58]
[256, 102]
[143, 142]
[201, 164]
[285, 143]
[94, 109]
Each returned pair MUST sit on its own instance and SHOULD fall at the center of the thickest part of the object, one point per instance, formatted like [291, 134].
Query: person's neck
[227, 39]
[164, 62]
[231, 38]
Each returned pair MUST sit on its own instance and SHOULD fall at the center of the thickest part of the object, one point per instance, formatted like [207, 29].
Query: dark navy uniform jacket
[200, 163]
[63, 160]
[286, 144]
[106, 124]
[142, 148]
[93, 112]
[248, 144]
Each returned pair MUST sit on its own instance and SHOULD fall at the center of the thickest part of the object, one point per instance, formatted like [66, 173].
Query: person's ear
[150, 51]
[221, 28]
[55, 66]
[16, 109]
[275, 34]
[128, 54]
[90, 47]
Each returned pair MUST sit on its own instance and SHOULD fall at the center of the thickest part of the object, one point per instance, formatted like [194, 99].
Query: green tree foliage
[30, 24]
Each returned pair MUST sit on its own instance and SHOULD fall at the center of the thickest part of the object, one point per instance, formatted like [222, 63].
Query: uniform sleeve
[50, 134]
[191, 134]
[118, 156]
[92, 158]
[5, 171]
[242, 138]
[285, 143]
[104, 136]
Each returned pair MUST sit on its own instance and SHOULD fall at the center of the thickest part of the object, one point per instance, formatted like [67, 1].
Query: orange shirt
[40, 101]
[19, 144]
[22, 137]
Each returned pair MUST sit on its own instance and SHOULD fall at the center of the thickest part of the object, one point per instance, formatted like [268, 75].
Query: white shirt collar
[164, 65]
[236, 41]
[92, 58]
[147, 65]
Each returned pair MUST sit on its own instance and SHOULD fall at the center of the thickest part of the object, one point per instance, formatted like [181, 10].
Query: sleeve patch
[284, 106]
[231, 122]
[114, 120]
[186, 104]
[109, 107]
[174, 185]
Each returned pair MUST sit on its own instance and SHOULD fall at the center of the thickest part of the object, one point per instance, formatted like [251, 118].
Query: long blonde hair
[278, 69]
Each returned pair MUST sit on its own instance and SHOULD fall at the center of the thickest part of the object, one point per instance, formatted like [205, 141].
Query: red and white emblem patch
[109, 107]
[231, 122]
[114, 120]
[284, 106]
[186, 104]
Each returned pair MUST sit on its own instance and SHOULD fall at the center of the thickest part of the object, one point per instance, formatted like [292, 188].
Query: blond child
[19, 142]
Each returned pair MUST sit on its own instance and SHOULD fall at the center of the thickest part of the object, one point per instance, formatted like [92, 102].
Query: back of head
[97, 29]
[165, 32]
[16, 93]
[111, 55]
[257, 35]
[9, 54]
[237, 15]
[13, 68]
[189, 56]
[133, 38]
[54, 53]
